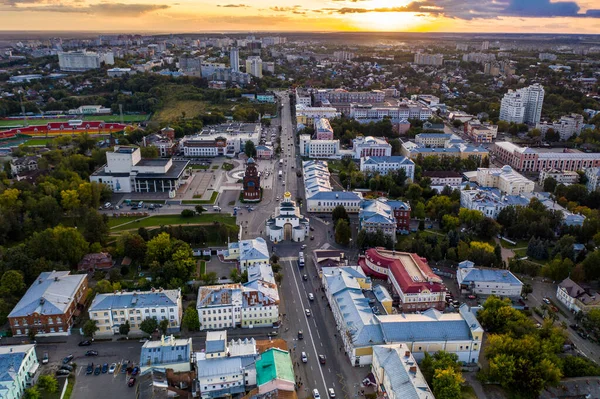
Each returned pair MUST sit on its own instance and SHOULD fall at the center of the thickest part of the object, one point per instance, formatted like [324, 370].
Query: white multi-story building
[429, 59]
[343, 55]
[307, 115]
[561, 176]
[593, 178]
[248, 252]
[575, 298]
[384, 165]
[443, 178]
[18, 368]
[505, 179]
[303, 97]
[227, 139]
[397, 373]
[366, 113]
[523, 105]
[547, 57]
[486, 281]
[234, 59]
[80, 61]
[254, 66]
[319, 148]
[480, 58]
[112, 310]
[566, 127]
[371, 147]
[437, 140]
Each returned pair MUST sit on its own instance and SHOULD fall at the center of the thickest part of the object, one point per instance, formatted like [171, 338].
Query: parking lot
[102, 385]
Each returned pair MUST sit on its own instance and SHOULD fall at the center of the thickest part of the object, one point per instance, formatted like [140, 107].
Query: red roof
[426, 278]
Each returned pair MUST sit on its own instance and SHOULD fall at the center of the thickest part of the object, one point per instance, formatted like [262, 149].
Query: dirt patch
[263, 345]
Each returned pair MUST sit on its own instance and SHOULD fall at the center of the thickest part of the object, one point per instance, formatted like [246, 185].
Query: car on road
[303, 246]
[98, 370]
[322, 359]
[104, 368]
[546, 301]
[312, 228]
[62, 372]
[312, 238]
[90, 368]
[112, 368]
[68, 359]
[307, 311]
[272, 334]
[303, 357]
[311, 297]
[131, 382]
[85, 343]
[316, 394]
[45, 358]
[304, 277]
[91, 353]
[331, 393]
[300, 335]
[472, 297]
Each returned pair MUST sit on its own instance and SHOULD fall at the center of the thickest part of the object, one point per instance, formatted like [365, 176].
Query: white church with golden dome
[288, 224]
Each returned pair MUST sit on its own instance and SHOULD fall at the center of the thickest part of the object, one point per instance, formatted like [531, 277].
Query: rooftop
[467, 275]
[132, 300]
[168, 350]
[274, 364]
[401, 372]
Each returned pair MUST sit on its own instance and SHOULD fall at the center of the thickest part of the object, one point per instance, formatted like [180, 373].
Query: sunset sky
[529, 16]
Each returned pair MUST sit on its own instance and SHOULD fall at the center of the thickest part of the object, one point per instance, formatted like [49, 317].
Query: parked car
[131, 382]
[68, 359]
[91, 353]
[112, 368]
[98, 370]
[311, 297]
[105, 368]
[124, 368]
[62, 372]
[322, 359]
[135, 370]
[272, 334]
[90, 368]
[66, 367]
[546, 301]
[45, 359]
[472, 297]
[85, 343]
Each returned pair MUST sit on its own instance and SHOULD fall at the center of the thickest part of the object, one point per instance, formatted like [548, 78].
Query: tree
[552, 135]
[187, 213]
[32, 393]
[250, 149]
[446, 384]
[550, 184]
[132, 245]
[342, 232]
[12, 283]
[124, 328]
[149, 152]
[199, 209]
[209, 278]
[339, 212]
[190, 318]
[89, 328]
[450, 222]
[48, 383]
[163, 326]
[149, 325]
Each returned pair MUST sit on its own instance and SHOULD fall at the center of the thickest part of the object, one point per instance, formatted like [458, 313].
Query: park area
[6, 123]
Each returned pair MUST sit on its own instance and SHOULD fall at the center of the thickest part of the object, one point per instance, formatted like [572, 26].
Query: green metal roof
[274, 364]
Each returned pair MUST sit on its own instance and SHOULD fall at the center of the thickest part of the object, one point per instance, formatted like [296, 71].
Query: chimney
[407, 354]
[413, 369]
[56, 278]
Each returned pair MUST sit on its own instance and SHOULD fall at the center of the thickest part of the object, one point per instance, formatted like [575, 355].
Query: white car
[331, 393]
[307, 312]
[311, 297]
[112, 368]
[303, 357]
[546, 301]
[316, 394]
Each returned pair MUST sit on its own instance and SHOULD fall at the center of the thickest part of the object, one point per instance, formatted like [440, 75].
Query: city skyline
[493, 16]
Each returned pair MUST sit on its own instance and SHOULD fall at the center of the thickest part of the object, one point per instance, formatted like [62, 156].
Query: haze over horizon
[187, 16]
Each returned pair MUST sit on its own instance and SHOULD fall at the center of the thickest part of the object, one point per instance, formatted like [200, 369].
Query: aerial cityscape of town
[300, 215]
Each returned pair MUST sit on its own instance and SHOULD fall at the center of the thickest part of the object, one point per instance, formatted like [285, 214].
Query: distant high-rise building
[234, 59]
[343, 55]
[254, 66]
[547, 57]
[79, 61]
[429, 59]
[485, 45]
[523, 105]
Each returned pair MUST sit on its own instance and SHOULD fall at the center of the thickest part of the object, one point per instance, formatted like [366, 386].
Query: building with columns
[125, 172]
[288, 224]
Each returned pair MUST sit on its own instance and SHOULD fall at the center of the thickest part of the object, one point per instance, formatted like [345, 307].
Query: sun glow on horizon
[385, 21]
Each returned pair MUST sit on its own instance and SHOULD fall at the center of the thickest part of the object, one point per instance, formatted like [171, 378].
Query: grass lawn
[215, 167]
[112, 221]
[165, 220]
[202, 267]
[175, 109]
[106, 118]
[213, 198]
[39, 141]
[520, 244]
[467, 392]
[227, 166]
[199, 166]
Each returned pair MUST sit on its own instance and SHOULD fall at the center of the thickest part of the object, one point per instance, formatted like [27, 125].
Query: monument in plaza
[251, 181]
[288, 224]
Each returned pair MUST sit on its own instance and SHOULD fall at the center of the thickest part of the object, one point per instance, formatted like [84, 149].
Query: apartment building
[505, 179]
[303, 97]
[417, 286]
[385, 165]
[18, 370]
[481, 133]
[437, 140]
[112, 310]
[566, 127]
[81, 61]
[366, 113]
[575, 298]
[429, 59]
[525, 159]
[328, 149]
[523, 105]
[323, 129]
[49, 305]
[593, 178]
[561, 176]
[306, 115]
[254, 66]
[390, 217]
[443, 178]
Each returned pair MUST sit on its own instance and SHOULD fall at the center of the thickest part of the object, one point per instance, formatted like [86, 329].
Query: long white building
[329, 149]
[227, 139]
[371, 147]
[505, 179]
[80, 61]
[385, 165]
[523, 105]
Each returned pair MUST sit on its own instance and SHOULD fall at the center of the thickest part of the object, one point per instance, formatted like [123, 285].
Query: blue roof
[215, 346]
[390, 159]
[10, 363]
[336, 195]
[381, 293]
[419, 328]
[473, 274]
[434, 135]
[157, 353]
[130, 300]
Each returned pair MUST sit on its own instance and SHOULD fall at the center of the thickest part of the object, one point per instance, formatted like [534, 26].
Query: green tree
[342, 232]
[446, 384]
[132, 245]
[450, 222]
[149, 152]
[149, 325]
[209, 278]
[104, 287]
[12, 283]
[32, 393]
[124, 328]
[190, 318]
[550, 184]
[47, 383]
[89, 328]
[250, 149]
[163, 326]
[187, 213]
[339, 212]
[199, 209]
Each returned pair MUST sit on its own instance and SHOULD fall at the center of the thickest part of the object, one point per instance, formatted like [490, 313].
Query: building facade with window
[18, 370]
[168, 353]
[49, 305]
[112, 310]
